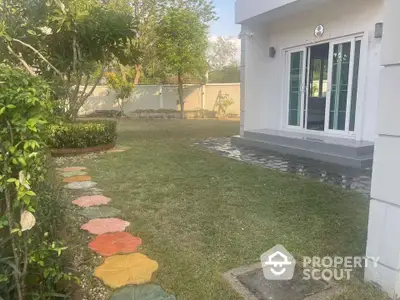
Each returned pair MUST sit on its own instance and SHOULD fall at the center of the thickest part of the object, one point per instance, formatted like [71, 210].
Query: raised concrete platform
[339, 151]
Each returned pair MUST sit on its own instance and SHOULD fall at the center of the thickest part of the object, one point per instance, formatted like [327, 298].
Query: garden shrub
[27, 247]
[82, 134]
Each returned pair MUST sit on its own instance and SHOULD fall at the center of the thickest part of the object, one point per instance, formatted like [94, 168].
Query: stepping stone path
[109, 225]
[129, 272]
[84, 185]
[80, 178]
[115, 243]
[75, 173]
[73, 169]
[142, 292]
[88, 201]
[121, 270]
[100, 212]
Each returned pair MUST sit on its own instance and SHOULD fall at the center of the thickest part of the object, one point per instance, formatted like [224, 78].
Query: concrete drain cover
[251, 284]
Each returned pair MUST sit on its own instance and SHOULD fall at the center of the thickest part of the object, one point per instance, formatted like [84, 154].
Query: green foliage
[183, 42]
[223, 102]
[228, 74]
[68, 42]
[221, 53]
[148, 67]
[82, 134]
[182, 46]
[204, 9]
[122, 85]
[25, 108]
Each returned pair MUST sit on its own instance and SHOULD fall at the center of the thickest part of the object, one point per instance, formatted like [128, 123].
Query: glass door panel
[340, 84]
[296, 87]
[354, 89]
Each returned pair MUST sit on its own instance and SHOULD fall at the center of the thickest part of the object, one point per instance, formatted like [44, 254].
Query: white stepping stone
[85, 185]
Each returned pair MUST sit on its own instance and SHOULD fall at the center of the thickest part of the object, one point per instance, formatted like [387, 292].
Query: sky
[225, 26]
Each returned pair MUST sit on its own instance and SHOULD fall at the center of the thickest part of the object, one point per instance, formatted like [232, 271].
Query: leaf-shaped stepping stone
[142, 292]
[100, 226]
[88, 201]
[120, 270]
[75, 173]
[85, 185]
[100, 212]
[73, 169]
[115, 243]
[79, 178]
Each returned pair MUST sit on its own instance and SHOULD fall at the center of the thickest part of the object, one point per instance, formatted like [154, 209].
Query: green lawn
[200, 214]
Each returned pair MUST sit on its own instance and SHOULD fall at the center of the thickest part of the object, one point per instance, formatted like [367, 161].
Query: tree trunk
[180, 95]
[123, 73]
[138, 74]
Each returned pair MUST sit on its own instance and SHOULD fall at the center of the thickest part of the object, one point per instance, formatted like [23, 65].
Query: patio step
[343, 152]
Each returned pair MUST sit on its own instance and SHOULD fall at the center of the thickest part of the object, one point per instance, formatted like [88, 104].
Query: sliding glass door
[323, 87]
[296, 87]
[343, 86]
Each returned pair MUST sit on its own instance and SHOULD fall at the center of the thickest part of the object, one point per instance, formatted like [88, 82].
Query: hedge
[82, 134]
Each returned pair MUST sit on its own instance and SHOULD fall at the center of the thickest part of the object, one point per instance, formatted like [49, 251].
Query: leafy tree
[227, 74]
[147, 15]
[123, 86]
[221, 53]
[204, 9]
[70, 43]
[182, 46]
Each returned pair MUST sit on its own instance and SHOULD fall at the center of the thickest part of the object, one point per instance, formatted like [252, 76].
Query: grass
[200, 214]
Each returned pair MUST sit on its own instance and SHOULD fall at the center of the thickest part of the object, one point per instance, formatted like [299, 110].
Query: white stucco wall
[265, 100]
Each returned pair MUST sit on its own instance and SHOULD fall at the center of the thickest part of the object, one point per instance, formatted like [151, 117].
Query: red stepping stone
[73, 169]
[109, 244]
[88, 201]
[80, 178]
[101, 226]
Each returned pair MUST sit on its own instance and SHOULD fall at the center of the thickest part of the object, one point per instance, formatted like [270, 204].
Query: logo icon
[278, 264]
[319, 31]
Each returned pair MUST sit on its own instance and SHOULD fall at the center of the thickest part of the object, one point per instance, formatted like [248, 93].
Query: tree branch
[75, 56]
[22, 61]
[74, 96]
[86, 84]
[41, 56]
[103, 68]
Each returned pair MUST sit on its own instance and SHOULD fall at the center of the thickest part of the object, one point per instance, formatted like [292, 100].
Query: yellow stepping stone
[121, 270]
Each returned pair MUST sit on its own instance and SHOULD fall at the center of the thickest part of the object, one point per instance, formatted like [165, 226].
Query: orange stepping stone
[79, 178]
[108, 225]
[121, 270]
[73, 169]
[88, 201]
[115, 243]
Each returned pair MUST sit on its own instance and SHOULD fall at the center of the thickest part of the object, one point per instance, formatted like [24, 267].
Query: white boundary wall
[164, 97]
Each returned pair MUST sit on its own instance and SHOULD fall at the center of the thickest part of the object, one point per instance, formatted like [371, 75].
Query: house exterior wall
[265, 105]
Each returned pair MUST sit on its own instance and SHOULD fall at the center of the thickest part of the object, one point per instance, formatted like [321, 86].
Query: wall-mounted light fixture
[379, 30]
[272, 52]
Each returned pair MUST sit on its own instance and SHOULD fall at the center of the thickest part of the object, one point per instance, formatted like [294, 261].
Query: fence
[156, 97]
